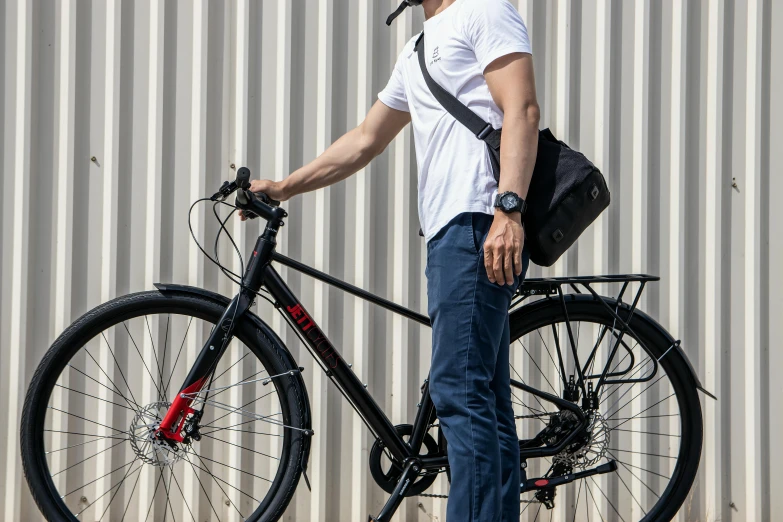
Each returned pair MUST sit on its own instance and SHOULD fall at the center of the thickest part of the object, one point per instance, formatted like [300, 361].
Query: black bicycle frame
[260, 272]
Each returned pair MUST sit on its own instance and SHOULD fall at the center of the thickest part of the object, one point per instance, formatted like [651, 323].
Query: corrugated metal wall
[117, 114]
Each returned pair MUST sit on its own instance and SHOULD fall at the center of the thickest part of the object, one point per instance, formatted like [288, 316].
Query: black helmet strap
[397, 12]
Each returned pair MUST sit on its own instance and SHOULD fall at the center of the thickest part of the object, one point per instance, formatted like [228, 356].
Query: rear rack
[550, 285]
[553, 286]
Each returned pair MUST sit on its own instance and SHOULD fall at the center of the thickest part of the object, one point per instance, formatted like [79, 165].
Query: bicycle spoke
[129, 498]
[88, 458]
[242, 424]
[173, 476]
[163, 364]
[240, 447]
[559, 354]
[243, 381]
[127, 474]
[130, 402]
[632, 398]
[97, 398]
[205, 494]
[639, 367]
[161, 395]
[647, 416]
[537, 513]
[119, 368]
[85, 434]
[581, 482]
[248, 431]
[523, 382]
[154, 493]
[235, 469]
[619, 476]
[642, 453]
[229, 368]
[184, 338]
[532, 359]
[88, 420]
[204, 469]
[607, 498]
[594, 503]
[232, 409]
[644, 410]
[82, 444]
[74, 490]
[143, 361]
[168, 497]
[218, 485]
[649, 433]
[625, 465]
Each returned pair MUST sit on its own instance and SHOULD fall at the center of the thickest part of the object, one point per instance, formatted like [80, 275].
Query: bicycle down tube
[336, 368]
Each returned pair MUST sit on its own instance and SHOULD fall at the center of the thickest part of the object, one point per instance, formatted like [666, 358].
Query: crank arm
[409, 474]
[543, 483]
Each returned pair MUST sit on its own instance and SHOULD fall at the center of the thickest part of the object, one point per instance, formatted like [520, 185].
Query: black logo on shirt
[435, 56]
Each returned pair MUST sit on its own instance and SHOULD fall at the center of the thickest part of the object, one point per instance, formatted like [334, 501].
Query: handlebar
[254, 204]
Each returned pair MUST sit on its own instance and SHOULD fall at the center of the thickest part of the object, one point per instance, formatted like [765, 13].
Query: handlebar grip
[243, 177]
[245, 198]
[266, 199]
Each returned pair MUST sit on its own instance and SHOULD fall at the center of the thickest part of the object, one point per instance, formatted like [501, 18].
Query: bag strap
[483, 130]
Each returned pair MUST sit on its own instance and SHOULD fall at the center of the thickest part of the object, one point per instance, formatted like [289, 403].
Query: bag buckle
[485, 132]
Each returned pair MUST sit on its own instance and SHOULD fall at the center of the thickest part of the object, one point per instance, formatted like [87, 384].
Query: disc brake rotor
[147, 447]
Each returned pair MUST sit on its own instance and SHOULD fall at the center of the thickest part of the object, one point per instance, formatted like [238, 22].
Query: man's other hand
[503, 248]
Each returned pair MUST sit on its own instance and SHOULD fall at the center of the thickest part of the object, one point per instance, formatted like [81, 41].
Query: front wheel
[648, 416]
[93, 405]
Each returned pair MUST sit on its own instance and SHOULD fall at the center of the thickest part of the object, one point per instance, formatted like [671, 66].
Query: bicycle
[603, 432]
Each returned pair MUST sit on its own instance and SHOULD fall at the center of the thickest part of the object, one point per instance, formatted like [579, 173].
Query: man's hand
[503, 248]
[273, 189]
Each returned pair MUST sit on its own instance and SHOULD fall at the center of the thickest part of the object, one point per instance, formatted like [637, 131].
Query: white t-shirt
[455, 173]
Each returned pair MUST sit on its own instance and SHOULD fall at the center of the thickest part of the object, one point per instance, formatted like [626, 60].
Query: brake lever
[226, 189]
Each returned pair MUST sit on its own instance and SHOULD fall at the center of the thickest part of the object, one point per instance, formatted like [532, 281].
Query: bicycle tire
[263, 343]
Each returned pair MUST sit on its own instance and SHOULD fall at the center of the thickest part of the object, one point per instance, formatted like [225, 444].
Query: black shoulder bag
[567, 192]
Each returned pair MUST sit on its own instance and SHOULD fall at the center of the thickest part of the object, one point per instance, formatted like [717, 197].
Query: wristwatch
[509, 202]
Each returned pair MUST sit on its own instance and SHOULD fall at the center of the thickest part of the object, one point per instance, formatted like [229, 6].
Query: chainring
[387, 479]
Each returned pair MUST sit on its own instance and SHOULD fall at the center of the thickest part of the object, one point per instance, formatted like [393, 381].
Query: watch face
[509, 202]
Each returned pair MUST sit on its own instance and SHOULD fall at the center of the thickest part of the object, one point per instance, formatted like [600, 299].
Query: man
[479, 51]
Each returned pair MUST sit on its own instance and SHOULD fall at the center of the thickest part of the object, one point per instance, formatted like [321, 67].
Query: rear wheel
[104, 385]
[652, 425]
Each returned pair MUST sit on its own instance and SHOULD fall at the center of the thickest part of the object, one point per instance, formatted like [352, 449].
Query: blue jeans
[469, 379]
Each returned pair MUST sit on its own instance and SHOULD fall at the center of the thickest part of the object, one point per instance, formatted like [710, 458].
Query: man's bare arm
[350, 153]
[512, 84]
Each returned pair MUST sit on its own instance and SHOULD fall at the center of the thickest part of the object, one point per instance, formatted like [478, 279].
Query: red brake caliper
[174, 421]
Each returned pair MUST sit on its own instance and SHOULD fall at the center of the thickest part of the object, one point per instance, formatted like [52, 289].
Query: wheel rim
[640, 425]
[99, 456]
